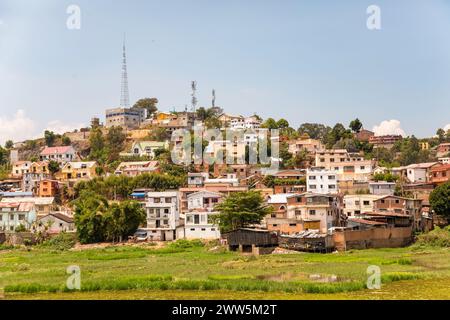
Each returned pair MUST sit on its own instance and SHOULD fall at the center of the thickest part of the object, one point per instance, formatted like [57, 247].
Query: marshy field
[195, 270]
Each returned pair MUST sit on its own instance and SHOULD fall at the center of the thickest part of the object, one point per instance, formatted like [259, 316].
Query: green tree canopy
[241, 209]
[356, 125]
[49, 137]
[147, 103]
[9, 144]
[440, 200]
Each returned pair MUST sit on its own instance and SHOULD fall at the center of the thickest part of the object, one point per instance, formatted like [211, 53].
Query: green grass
[191, 270]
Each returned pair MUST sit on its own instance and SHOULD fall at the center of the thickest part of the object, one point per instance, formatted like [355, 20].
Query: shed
[257, 241]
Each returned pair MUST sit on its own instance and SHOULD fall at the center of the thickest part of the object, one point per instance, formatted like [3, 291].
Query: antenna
[194, 97]
[124, 93]
[213, 98]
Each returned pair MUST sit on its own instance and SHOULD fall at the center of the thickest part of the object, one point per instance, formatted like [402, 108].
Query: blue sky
[306, 61]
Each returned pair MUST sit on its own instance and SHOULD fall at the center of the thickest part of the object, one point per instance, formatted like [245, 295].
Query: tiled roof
[56, 150]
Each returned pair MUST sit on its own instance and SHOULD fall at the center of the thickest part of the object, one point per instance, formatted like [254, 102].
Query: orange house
[48, 188]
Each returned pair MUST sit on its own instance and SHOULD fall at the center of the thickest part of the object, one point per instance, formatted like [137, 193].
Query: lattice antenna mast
[194, 96]
[124, 93]
[213, 103]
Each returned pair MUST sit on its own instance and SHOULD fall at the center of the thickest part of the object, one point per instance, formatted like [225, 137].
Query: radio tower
[124, 94]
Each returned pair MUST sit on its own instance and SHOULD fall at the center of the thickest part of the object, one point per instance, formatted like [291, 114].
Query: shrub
[435, 238]
[63, 241]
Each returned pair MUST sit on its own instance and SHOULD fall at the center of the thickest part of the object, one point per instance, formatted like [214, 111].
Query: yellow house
[163, 116]
[78, 170]
[40, 167]
[424, 145]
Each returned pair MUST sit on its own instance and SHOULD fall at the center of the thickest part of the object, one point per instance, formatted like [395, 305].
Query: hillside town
[332, 187]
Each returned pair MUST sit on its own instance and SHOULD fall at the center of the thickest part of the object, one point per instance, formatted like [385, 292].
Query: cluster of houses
[335, 192]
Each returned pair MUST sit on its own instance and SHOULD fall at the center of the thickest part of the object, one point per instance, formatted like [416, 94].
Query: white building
[146, 148]
[320, 180]
[445, 160]
[199, 218]
[245, 123]
[58, 154]
[354, 205]
[418, 172]
[15, 214]
[20, 168]
[382, 188]
[197, 179]
[55, 222]
[163, 216]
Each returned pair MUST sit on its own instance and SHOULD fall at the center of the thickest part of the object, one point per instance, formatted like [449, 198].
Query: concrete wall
[373, 238]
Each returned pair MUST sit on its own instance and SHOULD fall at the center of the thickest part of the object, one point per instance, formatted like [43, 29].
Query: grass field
[188, 271]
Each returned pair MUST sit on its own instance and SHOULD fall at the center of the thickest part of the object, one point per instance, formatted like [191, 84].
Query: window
[397, 201]
[312, 186]
[312, 177]
[168, 200]
[11, 217]
[21, 217]
[331, 186]
[362, 167]
[331, 177]
[292, 225]
[366, 202]
[312, 212]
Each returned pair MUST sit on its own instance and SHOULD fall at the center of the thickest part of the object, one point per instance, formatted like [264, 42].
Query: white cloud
[59, 127]
[447, 127]
[16, 128]
[388, 127]
[19, 127]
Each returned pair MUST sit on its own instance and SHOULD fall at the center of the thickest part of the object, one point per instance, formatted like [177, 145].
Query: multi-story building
[163, 216]
[414, 173]
[146, 148]
[199, 222]
[48, 188]
[59, 154]
[135, 168]
[443, 150]
[240, 122]
[321, 180]
[439, 174]
[387, 141]
[20, 168]
[348, 166]
[355, 205]
[78, 170]
[41, 206]
[314, 211]
[400, 205]
[127, 118]
[15, 214]
[382, 188]
[290, 181]
[309, 145]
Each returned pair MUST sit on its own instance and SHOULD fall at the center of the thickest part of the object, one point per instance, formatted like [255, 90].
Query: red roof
[56, 150]
[369, 222]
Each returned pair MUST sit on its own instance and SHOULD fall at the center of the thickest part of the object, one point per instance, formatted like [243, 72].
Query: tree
[356, 125]
[3, 156]
[89, 210]
[115, 142]
[123, 219]
[97, 143]
[158, 134]
[49, 137]
[314, 130]
[147, 103]
[440, 200]
[270, 123]
[241, 209]
[9, 144]
[66, 141]
[441, 135]
[337, 133]
[282, 124]
[53, 167]
[204, 114]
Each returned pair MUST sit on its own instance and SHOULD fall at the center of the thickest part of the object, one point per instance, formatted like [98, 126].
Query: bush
[436, 238]
[185, 244]
[63, 241]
